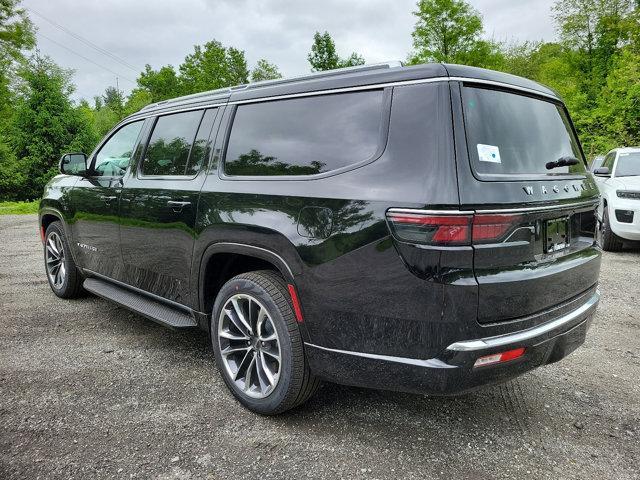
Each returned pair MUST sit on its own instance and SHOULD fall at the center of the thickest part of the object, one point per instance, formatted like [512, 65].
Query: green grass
[18, 208]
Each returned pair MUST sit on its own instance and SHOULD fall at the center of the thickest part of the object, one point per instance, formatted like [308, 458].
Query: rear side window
[170, 144]
[305, 136]
[516, 135]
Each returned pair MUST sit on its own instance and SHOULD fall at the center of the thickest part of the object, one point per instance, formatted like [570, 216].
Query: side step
[139, 303]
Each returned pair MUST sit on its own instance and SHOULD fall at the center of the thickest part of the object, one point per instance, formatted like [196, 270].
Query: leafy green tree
[213, 66]
[161, 84]
[114, 100]
[45, 124]
[137, 99]
[16, 30]
[264, 71]
[323, 55]
[16, 35]
[451, 31]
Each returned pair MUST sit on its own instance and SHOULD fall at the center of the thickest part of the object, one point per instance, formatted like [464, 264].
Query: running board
[141, 304]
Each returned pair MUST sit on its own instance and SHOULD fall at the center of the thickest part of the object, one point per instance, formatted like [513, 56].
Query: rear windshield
[515, 135]
[628, 165]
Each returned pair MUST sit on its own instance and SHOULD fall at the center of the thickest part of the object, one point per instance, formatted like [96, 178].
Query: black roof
[345, 78]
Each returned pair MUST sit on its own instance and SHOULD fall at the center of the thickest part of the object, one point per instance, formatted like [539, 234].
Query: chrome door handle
[177, 206]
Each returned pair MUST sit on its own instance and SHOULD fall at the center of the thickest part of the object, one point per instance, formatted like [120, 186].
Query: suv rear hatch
[522, 172]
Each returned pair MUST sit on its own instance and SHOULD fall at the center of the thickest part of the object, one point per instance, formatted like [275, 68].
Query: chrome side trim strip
[542, 208]
[430, 212]
[510, 338]
[429, 363]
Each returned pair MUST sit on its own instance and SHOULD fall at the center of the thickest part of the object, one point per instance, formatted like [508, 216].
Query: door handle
[177, 206]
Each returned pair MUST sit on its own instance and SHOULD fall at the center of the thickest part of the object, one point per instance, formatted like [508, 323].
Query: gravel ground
[89, 390]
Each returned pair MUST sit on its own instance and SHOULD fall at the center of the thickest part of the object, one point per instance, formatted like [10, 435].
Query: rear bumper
[453, 372]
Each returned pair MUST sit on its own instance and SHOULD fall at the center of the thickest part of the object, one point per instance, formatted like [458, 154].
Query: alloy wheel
[56, 269]
[249, 345]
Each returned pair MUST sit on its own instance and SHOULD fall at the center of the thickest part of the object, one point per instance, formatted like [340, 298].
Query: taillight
[430, 229]
[463, 228]
[491, 227]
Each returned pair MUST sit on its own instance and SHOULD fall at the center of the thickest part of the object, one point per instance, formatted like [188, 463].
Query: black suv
[427, 229]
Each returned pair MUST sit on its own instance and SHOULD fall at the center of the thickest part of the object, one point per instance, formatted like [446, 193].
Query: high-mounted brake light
[499, 357]
[446, 229]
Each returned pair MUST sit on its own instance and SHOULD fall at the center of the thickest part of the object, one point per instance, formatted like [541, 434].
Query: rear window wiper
[563, 162]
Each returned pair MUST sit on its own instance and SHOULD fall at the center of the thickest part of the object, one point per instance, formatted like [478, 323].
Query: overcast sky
[161, 32]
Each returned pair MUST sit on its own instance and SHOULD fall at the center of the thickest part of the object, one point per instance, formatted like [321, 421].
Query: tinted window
[628, 165]
[114, 156]
[511, 134]
[609, 160]
[304, 136]
[170, 144]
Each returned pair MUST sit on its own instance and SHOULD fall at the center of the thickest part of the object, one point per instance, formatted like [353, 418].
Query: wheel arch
[222, 261]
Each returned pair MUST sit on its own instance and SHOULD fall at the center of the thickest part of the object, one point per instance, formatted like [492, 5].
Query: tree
[213, 66]
[45, 124]
[594, 29]
[16, 35]
[323, 55]
[161, 84]
[264, 71]
[450, 31]
[114, 100]
[16, 31]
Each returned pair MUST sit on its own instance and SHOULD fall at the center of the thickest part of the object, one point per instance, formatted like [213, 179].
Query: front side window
[114, 156]
[609, 160]
[170, 144]
[628, 164]
[305, 136]
[509, 134]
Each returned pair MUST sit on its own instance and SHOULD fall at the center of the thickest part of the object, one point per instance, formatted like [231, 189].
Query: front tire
[257, 344]
[610, 241]
[63, 275]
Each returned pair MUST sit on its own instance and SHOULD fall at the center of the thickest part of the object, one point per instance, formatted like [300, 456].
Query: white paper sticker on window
[488, 153]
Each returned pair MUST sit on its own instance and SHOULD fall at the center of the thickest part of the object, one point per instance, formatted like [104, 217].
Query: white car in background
[619, 213]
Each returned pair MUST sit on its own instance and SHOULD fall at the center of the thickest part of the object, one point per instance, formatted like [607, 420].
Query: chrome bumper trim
[429, 363]
[522, 335]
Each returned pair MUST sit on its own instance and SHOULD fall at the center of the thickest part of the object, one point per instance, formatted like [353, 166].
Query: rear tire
[257, 344]
[64, 277]
[610, 241]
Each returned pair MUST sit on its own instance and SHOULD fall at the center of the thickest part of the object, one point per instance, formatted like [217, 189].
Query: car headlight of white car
[628, 194]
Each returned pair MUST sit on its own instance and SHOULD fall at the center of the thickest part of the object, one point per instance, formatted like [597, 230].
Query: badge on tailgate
[557, 235]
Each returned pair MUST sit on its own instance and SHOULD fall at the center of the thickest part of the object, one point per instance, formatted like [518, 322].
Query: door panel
[95, 201]
[158, 213]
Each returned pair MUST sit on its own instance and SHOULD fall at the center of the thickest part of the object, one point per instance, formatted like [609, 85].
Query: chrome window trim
[505, 85]
[528, 334]
[144, 114]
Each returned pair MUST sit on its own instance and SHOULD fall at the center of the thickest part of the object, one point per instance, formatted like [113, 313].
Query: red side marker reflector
[296, 302]
[42, 233]
[499, 357]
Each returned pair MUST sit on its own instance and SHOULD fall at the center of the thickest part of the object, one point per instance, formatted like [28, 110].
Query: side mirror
[73, 164]
[602, 172]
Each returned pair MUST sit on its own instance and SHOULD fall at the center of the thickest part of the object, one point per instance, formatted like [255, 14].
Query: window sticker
[489, 153]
